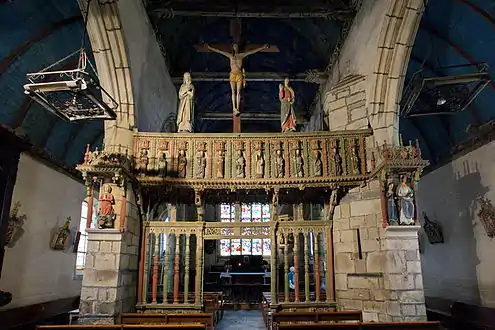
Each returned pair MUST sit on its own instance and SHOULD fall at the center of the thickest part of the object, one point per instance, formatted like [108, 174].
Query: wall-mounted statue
[287, 97]
[318, 165]
[260, 164]
[336, 161]
[279, 164]
[392, 214]
[486, 215]
[433, 230]
[200, 164]
[354, 161]
[240, 164]
[405, 196]
[298, 164]
[59, 241]
[14, 226]
[106, 213]
[221, 164]
[185, 112]
[182, 164]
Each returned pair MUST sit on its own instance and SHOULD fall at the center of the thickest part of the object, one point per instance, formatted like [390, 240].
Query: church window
[255, 212]
[82, 246]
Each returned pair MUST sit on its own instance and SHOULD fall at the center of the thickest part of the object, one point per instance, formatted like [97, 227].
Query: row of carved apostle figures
[185, 111]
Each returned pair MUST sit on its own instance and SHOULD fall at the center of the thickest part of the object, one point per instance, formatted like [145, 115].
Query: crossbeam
[250, 76]
[244, 116]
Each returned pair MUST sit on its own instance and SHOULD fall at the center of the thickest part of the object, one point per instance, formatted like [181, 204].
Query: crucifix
[237, 76]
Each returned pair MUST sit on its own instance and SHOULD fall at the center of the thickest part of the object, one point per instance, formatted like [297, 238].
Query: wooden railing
[168, 284]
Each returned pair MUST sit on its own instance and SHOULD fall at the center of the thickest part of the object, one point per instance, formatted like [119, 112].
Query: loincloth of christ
[238, 77]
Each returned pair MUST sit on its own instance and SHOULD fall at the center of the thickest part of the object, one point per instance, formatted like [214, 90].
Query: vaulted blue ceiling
[35, 34]
[304, 44]
[452, 33]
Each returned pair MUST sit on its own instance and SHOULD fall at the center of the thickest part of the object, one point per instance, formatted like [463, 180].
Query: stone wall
[377, 49]
[345, 104]
[155, 96]
[466, 260]
[110, 277]
[32, 271]
[382, 276]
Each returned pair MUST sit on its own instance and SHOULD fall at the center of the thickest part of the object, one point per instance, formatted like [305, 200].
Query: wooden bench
[401, 325]
[123, 327]
[316, 317]
[145, 318]
[213, 302]
[467, 316]
[364, 326]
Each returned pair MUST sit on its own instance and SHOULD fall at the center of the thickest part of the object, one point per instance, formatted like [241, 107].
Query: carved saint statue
[336, 161]
[106, 213]
[182, 164]
[287, 97]
[260, 164]
[237, 78]
[200, 164]
[392, 214]
[220, 164]
[162, 164]
[354, 161]
[279, 164]
[143, 161]
[60, 240]
[240, 163]
[318, 169]
[185, 112]
[298, 162]
[405, 194]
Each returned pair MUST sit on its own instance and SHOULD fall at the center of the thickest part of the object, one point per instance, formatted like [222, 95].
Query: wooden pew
[314, 317]
[213, 302]
[302, 326]
[401, 325]
[466, 316]
[123, 327]
[145, 318]
[364, 326]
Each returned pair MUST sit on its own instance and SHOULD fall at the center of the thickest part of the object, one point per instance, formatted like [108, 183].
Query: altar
[235, 276]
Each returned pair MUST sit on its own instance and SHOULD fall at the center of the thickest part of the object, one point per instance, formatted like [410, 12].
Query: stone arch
[107, 41]
[396, 39]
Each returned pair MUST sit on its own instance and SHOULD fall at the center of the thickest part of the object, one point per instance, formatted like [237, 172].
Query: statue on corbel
[106, 212]
[400, 199]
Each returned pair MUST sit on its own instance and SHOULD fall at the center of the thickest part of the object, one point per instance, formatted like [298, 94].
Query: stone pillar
[402, 274]
[377, 270]
[110, 280]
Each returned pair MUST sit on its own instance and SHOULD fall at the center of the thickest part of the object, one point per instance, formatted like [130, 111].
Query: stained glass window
[255, 212]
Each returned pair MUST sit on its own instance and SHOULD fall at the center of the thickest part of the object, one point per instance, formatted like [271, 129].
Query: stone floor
[241, 320]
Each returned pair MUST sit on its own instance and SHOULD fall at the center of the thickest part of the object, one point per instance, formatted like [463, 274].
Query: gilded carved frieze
[244, 161]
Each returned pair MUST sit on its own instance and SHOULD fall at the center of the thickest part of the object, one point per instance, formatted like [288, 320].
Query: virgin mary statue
[185, 113]
[287, 96]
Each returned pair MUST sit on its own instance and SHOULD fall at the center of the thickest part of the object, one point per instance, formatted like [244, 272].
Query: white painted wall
[464, 267]
[32, 272]
[155, 96]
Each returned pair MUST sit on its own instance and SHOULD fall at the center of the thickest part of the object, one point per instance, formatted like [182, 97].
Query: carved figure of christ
[236, 78]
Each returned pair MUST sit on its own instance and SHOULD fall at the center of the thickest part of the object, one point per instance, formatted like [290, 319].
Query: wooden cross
[235, 32]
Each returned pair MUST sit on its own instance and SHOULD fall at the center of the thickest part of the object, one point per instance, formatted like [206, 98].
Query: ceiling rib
[479, 11]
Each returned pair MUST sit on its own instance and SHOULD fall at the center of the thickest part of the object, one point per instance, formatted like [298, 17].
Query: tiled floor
[241, 320]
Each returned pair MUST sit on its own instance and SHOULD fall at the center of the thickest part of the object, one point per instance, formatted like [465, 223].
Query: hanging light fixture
[72, 94]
